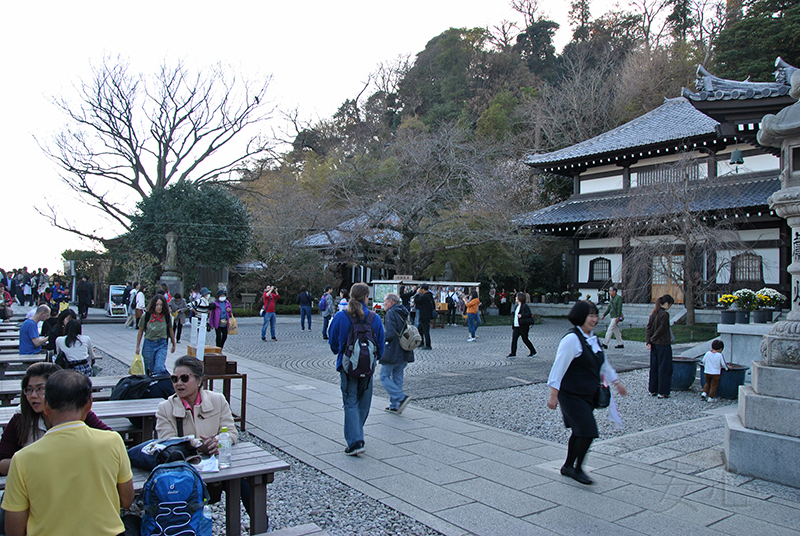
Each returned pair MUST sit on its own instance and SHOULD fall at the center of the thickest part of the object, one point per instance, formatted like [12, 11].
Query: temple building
[688, 172]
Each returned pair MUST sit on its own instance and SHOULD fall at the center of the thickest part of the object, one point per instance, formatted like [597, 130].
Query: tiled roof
[676, 119]
[344, 230]
[712, 196]
[711, 88]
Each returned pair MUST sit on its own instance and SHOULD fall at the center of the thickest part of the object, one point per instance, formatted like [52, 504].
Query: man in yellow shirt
[75, 479]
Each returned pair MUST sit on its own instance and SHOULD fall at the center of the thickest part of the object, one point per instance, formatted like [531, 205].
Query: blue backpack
[361, 353]
[323, 302]
[174, 499]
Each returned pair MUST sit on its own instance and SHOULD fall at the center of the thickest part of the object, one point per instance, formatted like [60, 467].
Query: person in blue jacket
[356, 392]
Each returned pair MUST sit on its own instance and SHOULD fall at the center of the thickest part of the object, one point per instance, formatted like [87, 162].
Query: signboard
[380, 290]
[115, 305]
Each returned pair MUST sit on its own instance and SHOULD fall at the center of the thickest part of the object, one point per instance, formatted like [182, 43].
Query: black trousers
[177, 327]
[521, 331]
[660, 369]
[425, 332]
[451, 315]
[222, 336]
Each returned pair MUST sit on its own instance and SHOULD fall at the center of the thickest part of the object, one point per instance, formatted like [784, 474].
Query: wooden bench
[10, 389]
[309, 529]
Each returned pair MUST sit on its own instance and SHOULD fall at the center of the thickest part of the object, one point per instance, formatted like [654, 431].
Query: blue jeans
[357, 397]
[392, 381]
[325, 321]
[305, 311]
[268, 318]
[473, 322]
[154, 354]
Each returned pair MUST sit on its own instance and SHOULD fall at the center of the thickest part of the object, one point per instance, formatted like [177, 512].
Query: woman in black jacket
[521, 323]
[394, 358]
[659, 342]
[578, 370]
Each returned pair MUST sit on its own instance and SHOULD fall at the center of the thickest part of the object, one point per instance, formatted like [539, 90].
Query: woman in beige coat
[202, 413]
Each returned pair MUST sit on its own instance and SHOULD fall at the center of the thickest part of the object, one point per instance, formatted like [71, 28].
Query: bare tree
[143, 133]
[669, 233]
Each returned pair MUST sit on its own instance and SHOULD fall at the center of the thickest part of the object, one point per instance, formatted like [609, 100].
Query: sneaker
[653, 394]
[324, 338]
[620, 346]
[274, 338]
[663, 396]
[392, 410]
[511, 356]
[263, 338]
[703, 394]
[532, 354]
[471, 339]
[709, 399]
[605, 346]
[356, 449]
[403, 404]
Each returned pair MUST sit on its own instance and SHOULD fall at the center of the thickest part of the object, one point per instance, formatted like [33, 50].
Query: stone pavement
[461, 477]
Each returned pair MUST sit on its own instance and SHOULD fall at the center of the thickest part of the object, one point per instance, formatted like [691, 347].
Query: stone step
[760, 454]
[768, 413]
[775, 381]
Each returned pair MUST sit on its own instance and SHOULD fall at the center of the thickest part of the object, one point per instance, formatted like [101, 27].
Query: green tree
[497, 120]
[749, 46]
[535, 47]
[579, 17]
[212, 224]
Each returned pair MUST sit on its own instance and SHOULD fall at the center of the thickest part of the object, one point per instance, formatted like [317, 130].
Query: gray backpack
[410, 338]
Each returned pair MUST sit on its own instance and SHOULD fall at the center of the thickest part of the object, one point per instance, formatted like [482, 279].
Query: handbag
[603, 397]
[61, 360]
[150, 454]
[233, 327]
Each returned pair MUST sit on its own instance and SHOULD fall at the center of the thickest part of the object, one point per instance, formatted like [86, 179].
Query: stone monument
[171, 276]
[763, 439]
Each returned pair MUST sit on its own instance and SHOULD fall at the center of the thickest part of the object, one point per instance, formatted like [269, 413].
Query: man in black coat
[394, 358]
[426, 308]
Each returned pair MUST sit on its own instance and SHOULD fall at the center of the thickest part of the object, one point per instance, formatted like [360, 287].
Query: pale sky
[319, 54]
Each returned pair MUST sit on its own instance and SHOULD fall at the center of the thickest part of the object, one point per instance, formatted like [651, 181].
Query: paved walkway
[461, 477]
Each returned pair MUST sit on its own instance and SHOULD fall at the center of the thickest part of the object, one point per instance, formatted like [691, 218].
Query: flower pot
[742, 317]
[728, 317]
[683, 373]
[762, 316]
[729, 380]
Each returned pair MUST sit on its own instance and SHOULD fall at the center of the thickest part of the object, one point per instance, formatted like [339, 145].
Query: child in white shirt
[713, 363]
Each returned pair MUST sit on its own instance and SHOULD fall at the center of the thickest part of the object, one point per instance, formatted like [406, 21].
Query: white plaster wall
[605, 184]
[759, 234]
[583, 266]
[609, 168]
[771, 263]
[761, 162]
[600, 243]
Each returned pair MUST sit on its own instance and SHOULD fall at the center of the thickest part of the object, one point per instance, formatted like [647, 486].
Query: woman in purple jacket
[219, 315]
[30, 424]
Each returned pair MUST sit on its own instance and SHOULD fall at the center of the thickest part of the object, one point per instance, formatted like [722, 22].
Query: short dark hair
[717, 344]
[522, 297]
[67, 390]
[580, 311]
[424, 286]
[327, 288]
[192, 363]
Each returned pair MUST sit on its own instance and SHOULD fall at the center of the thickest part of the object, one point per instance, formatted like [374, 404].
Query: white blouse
[80, 349]
[569, 348]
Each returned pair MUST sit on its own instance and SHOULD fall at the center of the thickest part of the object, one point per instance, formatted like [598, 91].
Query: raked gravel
[306, 495]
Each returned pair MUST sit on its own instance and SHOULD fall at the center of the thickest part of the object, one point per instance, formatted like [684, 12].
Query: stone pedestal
[763, 439]
[743, 343]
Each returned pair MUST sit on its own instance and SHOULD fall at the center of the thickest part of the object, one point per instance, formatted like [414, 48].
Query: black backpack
[361, 352]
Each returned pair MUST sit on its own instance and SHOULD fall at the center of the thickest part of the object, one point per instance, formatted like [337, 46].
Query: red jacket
[269, 302]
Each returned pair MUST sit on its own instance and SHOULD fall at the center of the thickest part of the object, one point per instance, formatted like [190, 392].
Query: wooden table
[145, 408]
[9, 345]
[9, 335]
[248, 461]
[208, 383]
[10, 389]
[6, 360]
[10, 326]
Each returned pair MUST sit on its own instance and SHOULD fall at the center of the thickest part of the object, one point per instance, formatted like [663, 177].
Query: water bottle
[224, 448]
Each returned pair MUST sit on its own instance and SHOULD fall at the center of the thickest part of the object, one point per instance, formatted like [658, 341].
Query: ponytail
[358, 296]
[666, 298]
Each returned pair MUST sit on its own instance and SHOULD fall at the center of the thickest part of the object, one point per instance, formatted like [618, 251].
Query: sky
[319, 53]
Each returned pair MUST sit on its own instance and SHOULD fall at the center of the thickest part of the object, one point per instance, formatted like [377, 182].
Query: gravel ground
[306, 495]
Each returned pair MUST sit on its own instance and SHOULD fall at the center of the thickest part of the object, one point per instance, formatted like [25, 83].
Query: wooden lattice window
[599, 270]
[747, 268]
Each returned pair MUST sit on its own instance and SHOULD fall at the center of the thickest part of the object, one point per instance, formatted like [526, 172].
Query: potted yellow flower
[728, 316]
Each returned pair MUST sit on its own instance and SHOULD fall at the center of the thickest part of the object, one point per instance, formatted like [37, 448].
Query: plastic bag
[233, 326]
[137, 367]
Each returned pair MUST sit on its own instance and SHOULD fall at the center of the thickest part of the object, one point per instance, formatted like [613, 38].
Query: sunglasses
[183, 377]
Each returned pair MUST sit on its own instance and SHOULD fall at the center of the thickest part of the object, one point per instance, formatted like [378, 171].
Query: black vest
[583, 375]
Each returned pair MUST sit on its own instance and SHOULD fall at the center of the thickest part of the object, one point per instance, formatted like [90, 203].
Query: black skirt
[578, 412]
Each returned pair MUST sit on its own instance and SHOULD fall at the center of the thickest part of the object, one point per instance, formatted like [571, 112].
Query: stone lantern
[763, 438]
